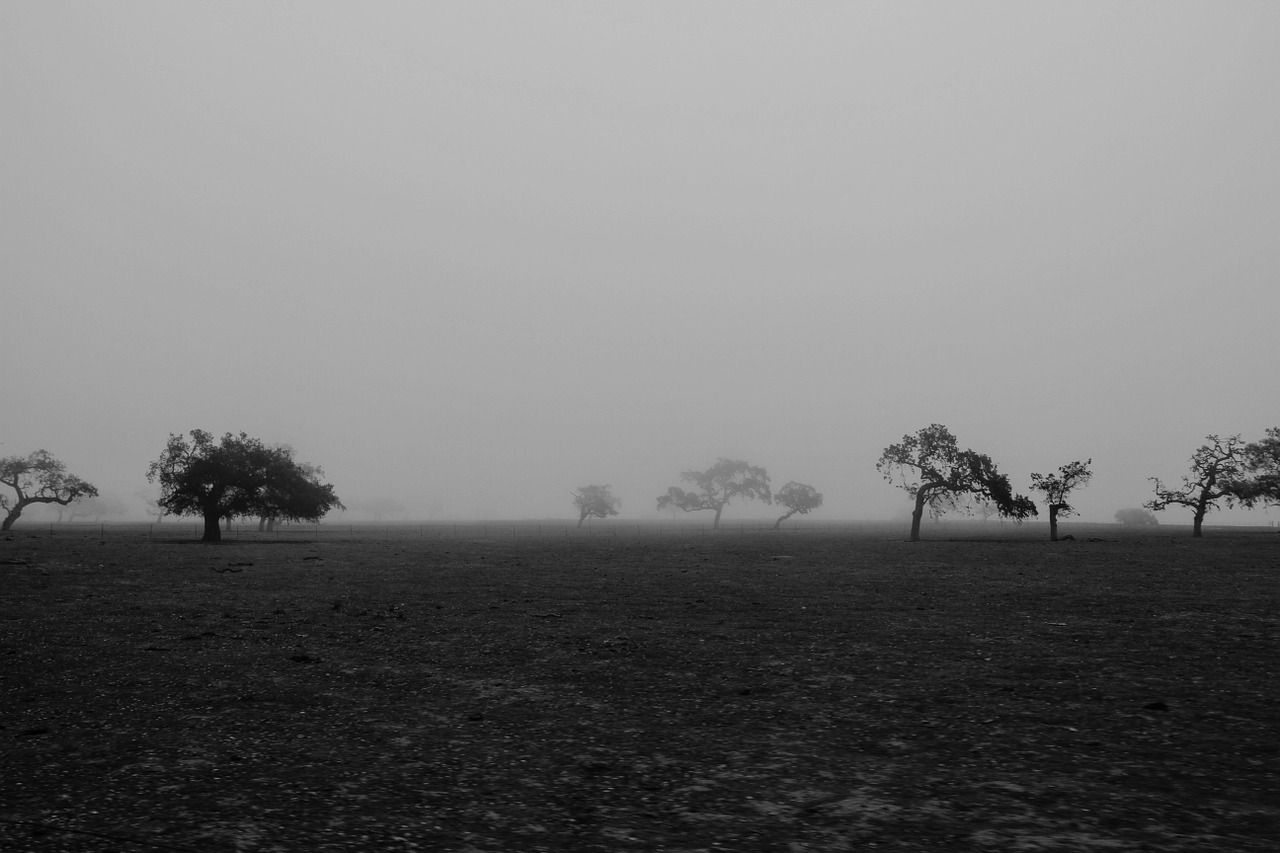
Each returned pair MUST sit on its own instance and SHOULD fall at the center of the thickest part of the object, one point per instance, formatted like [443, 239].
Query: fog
[470, 256]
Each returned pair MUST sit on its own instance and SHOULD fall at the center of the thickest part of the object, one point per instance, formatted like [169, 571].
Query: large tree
[236, 476]
[931, 468]
[1216, 470]
[1058, 487]
[798, 498]
[1259, 482]
[714, 488]
[594, 502]
[39, 478]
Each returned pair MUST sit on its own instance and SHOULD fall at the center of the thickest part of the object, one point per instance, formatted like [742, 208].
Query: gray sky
[472, 255]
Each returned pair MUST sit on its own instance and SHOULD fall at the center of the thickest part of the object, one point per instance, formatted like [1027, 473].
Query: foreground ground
[817, 691]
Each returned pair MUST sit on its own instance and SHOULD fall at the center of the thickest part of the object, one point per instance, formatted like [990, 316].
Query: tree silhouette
[723, 482]
[595, 502]
[1260, 479]
[1216, 469]
[931, 467]
[237, 476]
[1056, 488]
[797, 498]
[38, 478]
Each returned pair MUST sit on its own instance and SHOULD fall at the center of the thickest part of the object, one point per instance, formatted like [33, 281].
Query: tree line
[239, 476]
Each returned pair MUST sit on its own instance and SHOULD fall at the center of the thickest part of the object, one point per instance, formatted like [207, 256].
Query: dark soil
[735, 692]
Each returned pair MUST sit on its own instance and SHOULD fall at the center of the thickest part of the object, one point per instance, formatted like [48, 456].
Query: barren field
[743, 691]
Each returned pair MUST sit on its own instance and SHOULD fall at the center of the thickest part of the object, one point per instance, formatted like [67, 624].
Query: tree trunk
[228, 524]
[1196, 522]
[778, 523]
[1053, 522]
[212, 530]
[916, 515]
[11, 517]
[581, 519]
[715, 525]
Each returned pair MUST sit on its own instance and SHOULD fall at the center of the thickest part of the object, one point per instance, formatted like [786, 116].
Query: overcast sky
[469, 256]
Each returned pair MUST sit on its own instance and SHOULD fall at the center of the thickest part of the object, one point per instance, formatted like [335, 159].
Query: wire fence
[181, 530]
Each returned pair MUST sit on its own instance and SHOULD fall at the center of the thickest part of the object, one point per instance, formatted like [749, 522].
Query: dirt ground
[814, 691]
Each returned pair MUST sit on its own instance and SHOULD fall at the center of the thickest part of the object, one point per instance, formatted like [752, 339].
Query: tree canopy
[1259, 480]
[1135, 517]
[1216, 470]
[237, 476]
[1058, 487]
[725, 481]
[931, 468]
[38, 478]
[595, 502]
[798, 498]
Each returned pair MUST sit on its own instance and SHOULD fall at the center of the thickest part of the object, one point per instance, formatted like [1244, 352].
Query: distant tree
[381, 508]
[96, 507]
[236, 476]
[931, 467]
[39, 478]
[1216, 468]
[151, 501]
[797, 498]
[594, 502]
[983, 509]
[1136, 517]
[1259, 483]
[723, 482]
[1057, 487]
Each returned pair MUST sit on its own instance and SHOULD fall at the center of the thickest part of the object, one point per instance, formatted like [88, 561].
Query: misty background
[471, 256]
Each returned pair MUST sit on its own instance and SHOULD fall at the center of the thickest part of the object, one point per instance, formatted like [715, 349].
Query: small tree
[236, 476]
[1057, 487]
[1259, 483]
[717, 486]
[1216, 469]
[1135, 517]
[797, 498]
[595, 502]
[38, 479]
[931, 467]
[96, 507]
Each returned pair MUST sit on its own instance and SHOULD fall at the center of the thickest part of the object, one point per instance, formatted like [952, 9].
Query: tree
[935, 472]
[1260, 479]
[1057, 487]
[237, 476]
[1216, 469]
[39, 478]
[96, 507]
[594, 502]
[717, 486]
[152, 502]
[797, 498]
[1136, 517]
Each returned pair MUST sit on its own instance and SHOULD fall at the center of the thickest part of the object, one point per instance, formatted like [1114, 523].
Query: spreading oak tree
[237, 476]
[798, 498]
[932, 468]
[1216, 470]
[713, 489]
[38, 478]
[595, 502]
[1058, 487]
